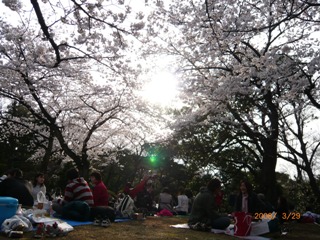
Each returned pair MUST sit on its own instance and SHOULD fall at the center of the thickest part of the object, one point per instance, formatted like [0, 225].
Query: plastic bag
[242, 226]
[16, 222]
[259, 228]
[41, 197]
[42, 202]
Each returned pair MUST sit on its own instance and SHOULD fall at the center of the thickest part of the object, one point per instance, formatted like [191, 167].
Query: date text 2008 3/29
[273, 215]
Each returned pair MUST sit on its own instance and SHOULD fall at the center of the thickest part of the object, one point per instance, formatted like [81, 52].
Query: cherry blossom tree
[239, 60]
[72, 65]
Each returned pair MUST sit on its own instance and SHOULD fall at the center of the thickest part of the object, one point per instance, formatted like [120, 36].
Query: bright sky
[161, 84]
[161, 88]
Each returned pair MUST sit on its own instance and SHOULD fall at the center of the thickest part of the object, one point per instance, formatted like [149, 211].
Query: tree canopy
[248, 72]
[242, 64]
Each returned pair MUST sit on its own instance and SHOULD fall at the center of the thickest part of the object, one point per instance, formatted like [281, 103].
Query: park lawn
[159, 228]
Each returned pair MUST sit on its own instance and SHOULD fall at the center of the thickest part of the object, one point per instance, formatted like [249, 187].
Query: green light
[153, 158]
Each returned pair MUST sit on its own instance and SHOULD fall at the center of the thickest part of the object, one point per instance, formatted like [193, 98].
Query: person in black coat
[204, 213]
[15, 186]
[247, 200]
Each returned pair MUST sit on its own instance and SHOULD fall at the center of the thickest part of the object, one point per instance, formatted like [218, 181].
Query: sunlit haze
[161, 89]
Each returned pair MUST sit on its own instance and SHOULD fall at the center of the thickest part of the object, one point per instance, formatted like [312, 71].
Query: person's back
[183, 204]
[78, 190]
[77, 197]
[203, 208]
[190, 196]
[16, 187]
[165, 200]
[204, 213]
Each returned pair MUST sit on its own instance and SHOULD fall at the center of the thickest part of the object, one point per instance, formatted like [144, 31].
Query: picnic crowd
[82, 201]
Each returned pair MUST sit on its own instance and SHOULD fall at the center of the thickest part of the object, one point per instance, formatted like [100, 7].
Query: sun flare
[161, 89]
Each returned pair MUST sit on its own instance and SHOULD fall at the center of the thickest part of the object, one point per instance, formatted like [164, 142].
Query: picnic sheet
[228, 231]
[118, 220]
[72, 222]
[77, 223]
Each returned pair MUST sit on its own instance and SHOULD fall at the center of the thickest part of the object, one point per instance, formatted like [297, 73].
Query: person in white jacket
[38, 185]
[183, 203]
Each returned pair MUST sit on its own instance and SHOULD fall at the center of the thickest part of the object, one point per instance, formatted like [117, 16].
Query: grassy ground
[159, 228]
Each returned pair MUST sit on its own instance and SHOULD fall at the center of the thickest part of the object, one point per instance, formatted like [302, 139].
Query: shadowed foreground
[159, 228]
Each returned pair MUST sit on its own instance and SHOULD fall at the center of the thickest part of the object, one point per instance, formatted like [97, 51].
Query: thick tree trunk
[84, 168]
[267, 180]
[48, 153]
[270, 152]
[313, 184]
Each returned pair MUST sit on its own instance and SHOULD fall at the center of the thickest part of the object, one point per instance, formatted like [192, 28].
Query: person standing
[99, 190]
[204, 215]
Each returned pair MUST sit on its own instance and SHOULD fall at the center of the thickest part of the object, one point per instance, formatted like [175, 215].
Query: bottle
[19, 210]
[51, 211]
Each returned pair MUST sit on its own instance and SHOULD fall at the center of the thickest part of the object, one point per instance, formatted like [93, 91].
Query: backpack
[126, 207]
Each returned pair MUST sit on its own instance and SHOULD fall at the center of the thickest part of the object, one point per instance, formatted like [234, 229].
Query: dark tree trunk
[84, 168]
[48, 153]
[313, 184]
[270, 152]
[267, 180]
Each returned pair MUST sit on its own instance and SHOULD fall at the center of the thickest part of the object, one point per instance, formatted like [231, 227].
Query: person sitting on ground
[145, 200]
[99, 191]
[247, 200]
[165, 200]
[204, 215]
[183, 203]
[309, 216]
[101, 212]
[38, 185]
[15, 186]
[190, 196]
[77, 198]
